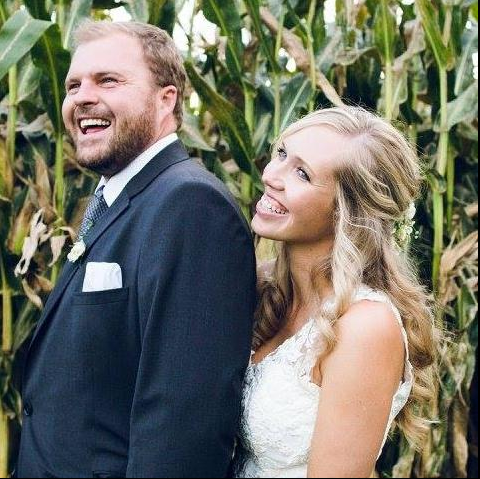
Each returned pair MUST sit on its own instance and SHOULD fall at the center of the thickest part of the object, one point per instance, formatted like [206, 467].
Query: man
[137, 364]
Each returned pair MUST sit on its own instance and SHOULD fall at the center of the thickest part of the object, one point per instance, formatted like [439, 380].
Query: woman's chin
[265, 230]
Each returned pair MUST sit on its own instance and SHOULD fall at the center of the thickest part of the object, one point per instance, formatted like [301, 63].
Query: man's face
[113, 110]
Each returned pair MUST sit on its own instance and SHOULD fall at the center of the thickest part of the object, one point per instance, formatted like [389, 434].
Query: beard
[131, 137]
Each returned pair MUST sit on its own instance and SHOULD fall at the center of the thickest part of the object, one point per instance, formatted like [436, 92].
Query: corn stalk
[4, 443]
[385, 32]
[311, 49]
[277, 77]
[247, 97]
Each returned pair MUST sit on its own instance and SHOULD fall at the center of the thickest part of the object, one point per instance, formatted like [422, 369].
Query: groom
[136, 366]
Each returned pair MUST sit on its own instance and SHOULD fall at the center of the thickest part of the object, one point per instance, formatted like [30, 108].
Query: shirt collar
[116, 184]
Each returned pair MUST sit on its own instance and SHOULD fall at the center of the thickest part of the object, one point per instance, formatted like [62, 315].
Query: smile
[93, 125]
[267, 204]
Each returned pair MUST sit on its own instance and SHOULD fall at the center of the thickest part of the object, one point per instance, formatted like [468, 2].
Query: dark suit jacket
[145, 381]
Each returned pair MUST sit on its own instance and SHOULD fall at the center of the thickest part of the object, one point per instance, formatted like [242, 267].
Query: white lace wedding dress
[280, 404]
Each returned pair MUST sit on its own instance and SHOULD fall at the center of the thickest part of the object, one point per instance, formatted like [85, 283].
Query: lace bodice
[280, 404]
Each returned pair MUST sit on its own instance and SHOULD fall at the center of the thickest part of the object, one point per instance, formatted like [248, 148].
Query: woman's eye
[282, 154]
[303, 175]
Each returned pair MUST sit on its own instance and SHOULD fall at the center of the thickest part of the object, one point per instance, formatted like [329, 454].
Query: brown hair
[162, 56]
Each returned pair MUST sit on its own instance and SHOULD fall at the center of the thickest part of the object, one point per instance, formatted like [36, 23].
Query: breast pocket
[111, 296]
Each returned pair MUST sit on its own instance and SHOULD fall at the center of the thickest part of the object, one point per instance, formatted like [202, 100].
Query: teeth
[270, 207]
[93, 122]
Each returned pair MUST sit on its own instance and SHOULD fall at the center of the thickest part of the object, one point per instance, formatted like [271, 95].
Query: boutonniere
[78, 250]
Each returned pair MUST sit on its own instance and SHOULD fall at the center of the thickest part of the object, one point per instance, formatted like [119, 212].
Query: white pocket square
[102, 277]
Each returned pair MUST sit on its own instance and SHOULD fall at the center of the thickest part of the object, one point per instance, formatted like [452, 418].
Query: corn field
[266, 63]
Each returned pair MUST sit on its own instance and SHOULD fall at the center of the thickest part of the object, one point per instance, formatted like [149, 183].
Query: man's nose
[86, 95]
[273, 177]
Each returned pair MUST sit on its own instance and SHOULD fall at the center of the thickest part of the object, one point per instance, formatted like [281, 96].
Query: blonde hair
[377, 181]
[161, 54]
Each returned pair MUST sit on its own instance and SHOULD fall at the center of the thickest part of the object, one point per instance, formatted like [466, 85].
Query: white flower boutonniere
[77, 251]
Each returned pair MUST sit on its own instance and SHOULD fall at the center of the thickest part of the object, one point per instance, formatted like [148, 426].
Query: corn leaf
[385, 31]
[429, 17]
[224, 13]
[17, 37]
[79, 10]
[230, 120]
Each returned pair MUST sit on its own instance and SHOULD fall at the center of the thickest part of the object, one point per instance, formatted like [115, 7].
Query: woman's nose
[272, 177]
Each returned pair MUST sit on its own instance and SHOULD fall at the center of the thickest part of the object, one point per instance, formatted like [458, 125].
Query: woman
[344, 341]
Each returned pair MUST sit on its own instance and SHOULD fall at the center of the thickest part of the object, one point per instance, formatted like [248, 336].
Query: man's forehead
[111, 47]
[119, 52]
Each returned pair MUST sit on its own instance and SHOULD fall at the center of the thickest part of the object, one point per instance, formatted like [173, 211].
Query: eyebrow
[95, 75]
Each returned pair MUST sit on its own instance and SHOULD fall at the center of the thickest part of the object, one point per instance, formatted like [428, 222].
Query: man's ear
[168, 98]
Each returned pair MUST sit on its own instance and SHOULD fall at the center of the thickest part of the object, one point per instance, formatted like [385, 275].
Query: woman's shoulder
[372, 321]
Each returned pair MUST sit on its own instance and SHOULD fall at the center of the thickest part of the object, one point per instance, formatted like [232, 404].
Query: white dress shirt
[116, 184]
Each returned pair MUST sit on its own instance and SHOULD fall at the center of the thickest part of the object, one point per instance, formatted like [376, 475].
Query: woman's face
[299, 198]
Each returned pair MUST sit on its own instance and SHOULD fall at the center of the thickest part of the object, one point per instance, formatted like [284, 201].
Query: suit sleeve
[197, 299]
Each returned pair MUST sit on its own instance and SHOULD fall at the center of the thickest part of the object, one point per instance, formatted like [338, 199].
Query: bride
[344, 340]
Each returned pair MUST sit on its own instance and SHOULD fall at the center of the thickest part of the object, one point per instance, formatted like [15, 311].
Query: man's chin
[100, 165]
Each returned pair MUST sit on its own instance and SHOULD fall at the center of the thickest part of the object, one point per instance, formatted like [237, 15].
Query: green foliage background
[272, 61]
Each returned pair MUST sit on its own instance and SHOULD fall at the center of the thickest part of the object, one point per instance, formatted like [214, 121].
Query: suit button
[27, 409]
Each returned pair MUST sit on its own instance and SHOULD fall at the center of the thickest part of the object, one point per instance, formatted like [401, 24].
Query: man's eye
[109, 80]
[303, 175]
[73, 86]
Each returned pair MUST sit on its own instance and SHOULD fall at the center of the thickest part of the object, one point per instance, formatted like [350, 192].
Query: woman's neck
[304, 259]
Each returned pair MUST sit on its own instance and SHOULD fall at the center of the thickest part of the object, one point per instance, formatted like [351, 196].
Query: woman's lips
[269, 206]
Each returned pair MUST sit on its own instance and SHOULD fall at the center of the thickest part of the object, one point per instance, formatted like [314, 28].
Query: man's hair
[161, 54]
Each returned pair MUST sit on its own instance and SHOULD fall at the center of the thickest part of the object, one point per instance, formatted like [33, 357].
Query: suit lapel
[171, 155]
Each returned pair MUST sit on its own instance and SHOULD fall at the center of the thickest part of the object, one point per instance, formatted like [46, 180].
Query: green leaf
[79, 10]
[296, 95]
[37, 9]
[385, 30]
[300, 27]
[231, 121]
[224, 13]
[465, 69]
[155, 8]
[107, 4]
[437, 182]
[138, 9]
[463, 109]
[474, 11]
[261, 134]
[430, 21]
[191, 134]
[29, 79]
[253, 8]
[50, 57]
[168, 16]
[17, 37]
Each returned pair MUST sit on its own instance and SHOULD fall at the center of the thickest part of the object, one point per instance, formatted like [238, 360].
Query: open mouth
[270, 206]
[89, 126]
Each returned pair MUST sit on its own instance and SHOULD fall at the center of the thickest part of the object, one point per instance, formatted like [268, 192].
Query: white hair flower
[405, 228]
[412, 211]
